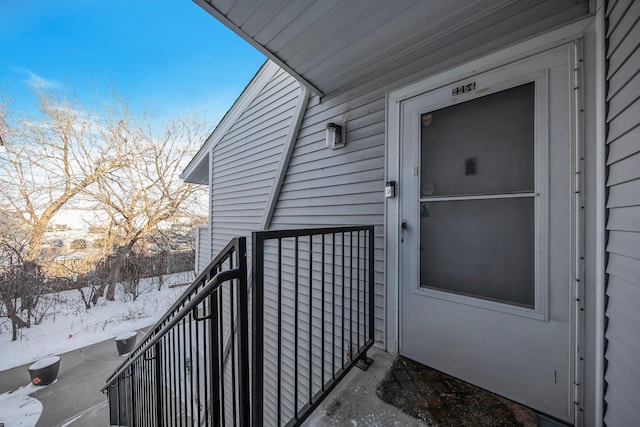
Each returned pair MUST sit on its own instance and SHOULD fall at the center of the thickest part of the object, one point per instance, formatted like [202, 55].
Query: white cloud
[38, 82]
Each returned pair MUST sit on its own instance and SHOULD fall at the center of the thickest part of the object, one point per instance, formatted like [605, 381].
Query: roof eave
[197, 171]
[233, 27]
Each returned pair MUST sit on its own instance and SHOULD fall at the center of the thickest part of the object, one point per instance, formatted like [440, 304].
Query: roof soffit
[333, 45]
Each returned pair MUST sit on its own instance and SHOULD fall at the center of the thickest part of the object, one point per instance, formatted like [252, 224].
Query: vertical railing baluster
[142, 407]
[351, 295]
[342, 349]
[243, 339]
[148, 413]
[191, 368]
[257, 412]
[310, 317]
[142, 387]
[279, 355]
[358, 289]
[220, 364]
[163, 374]
[133, 401]
[119, 394]
[142, 392]
[371, 266]
[207, 362]
[176, 403]
[158, 380]
[215, 361]
[182, 384]
[322, 313]
[295, 329]
[198, 352]
[233, 355]
[333, 306]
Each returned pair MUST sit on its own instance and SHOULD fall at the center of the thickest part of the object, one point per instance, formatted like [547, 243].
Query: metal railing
[312, 316]
[192, 368]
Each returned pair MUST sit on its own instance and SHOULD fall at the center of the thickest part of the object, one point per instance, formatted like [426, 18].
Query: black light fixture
[335, 136]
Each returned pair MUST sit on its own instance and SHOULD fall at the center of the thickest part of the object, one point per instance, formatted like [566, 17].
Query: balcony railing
[311, 321]
[312, 317]
[191, 369]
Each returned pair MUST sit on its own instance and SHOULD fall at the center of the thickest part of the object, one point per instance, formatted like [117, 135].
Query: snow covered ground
[19, 409]
[67, 325]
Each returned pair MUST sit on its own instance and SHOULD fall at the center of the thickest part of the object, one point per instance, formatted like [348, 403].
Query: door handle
[403, 227]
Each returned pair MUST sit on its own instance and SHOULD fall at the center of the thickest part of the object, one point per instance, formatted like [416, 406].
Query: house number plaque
[463, 89]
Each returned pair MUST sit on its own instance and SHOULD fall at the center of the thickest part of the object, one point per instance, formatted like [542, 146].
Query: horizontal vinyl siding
[320, 312]
[623, 209]
[203, 247]
[326, 187]
[246, 158]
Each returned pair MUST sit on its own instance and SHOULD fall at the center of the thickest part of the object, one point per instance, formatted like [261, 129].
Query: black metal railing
[192, 368]
[312, 320]
[312, 316]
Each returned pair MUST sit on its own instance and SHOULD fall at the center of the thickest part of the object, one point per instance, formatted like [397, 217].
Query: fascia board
[213, 11]
[260, 80]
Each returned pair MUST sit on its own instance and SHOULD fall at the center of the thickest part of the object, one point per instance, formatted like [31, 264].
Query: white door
[487, 252]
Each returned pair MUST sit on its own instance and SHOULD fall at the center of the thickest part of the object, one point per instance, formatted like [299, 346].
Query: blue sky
[168, 54]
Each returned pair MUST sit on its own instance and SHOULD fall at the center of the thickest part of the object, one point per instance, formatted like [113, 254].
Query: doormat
[442, 400]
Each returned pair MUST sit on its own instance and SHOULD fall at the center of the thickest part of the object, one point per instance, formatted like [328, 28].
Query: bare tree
[141, 199]
[50, 160]
[46, 162]
[13, 244]
[123, 166]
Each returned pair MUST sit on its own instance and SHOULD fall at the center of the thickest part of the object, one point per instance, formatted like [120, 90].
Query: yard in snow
[67, 326]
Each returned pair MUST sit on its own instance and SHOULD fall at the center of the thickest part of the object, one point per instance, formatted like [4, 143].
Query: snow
[68, 325]
[126, 335]
[43, 363]
[18, 409]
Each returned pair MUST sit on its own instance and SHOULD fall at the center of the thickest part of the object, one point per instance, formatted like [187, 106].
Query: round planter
[45, 371]
[125, 342]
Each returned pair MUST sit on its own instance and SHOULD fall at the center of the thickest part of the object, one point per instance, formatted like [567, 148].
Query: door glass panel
[482, 146]
[481, 248]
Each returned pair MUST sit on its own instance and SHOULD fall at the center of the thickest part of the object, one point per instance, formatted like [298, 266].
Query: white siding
[203, 247]
[326, 187]
[245, 160]
[623, 208]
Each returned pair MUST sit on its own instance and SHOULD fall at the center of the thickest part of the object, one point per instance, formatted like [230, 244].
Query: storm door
[487, 220]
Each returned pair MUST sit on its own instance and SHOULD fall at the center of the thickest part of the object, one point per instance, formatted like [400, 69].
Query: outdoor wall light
[335, 136]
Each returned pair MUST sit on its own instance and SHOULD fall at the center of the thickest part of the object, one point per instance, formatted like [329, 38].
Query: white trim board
[281, 171]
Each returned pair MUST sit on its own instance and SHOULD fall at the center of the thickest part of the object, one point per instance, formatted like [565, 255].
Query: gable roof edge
[250, 92]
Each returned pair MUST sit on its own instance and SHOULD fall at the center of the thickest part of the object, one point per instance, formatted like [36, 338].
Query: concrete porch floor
[354, 401]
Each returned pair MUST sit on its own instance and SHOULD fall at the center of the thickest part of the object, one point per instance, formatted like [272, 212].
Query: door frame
[570, 34]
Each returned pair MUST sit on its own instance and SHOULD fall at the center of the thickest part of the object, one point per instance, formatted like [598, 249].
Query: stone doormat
[442, 400]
